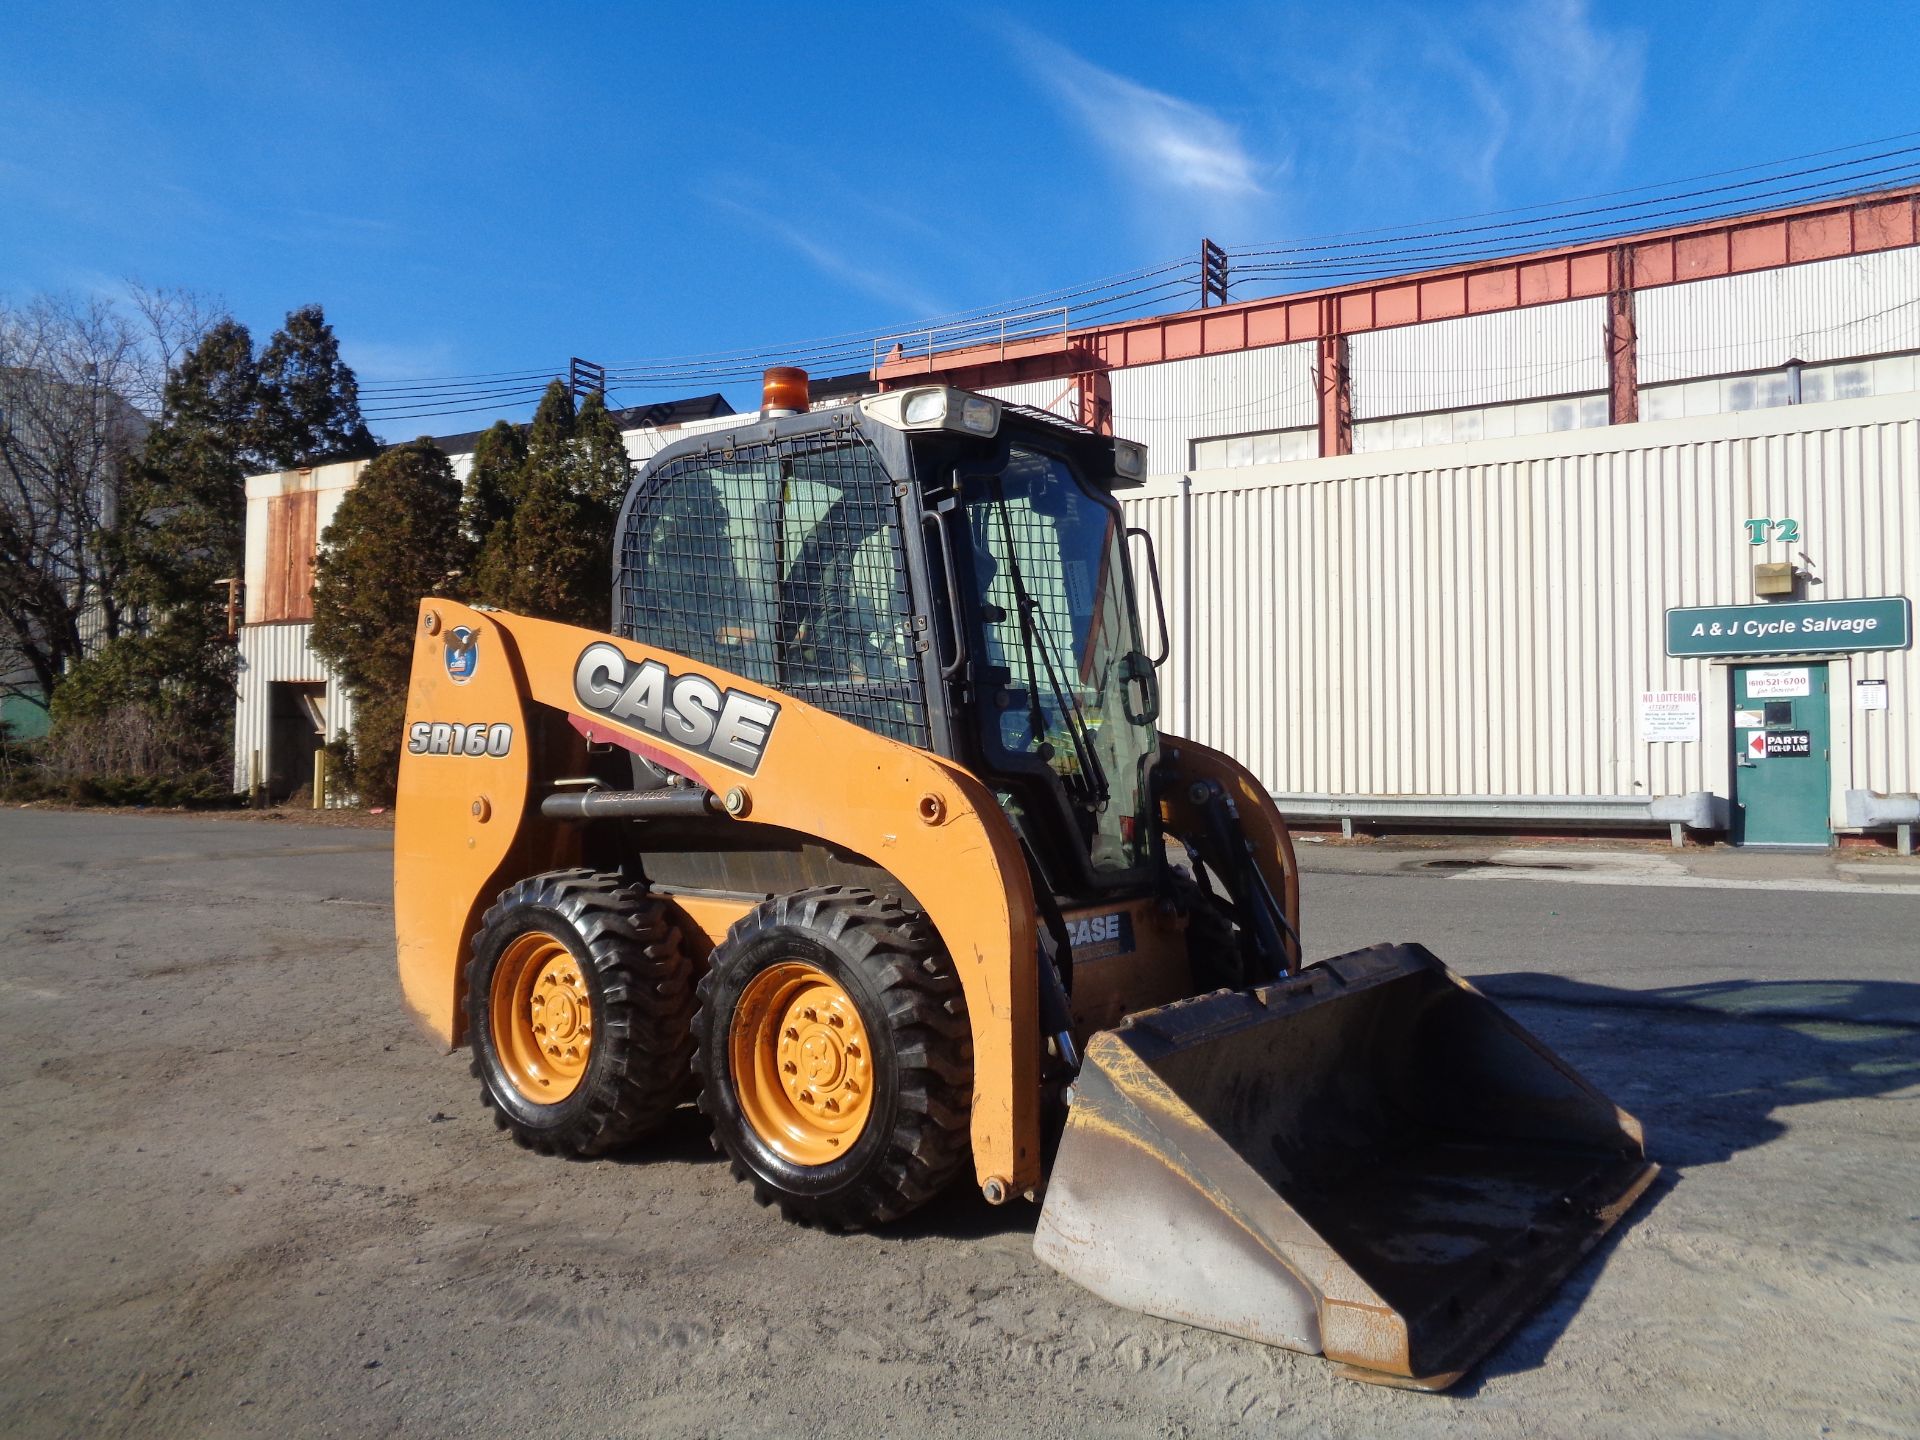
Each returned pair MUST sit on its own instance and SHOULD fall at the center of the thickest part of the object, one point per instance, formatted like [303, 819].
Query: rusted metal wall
[288, 512]
[1480, 619]
[288, 564]
[1827, 310]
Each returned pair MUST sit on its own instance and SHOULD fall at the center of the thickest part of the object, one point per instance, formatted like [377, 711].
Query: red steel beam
[1731, 245]
[1623, 343]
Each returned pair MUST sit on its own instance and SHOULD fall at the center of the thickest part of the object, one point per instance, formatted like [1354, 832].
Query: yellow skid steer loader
[857, 828]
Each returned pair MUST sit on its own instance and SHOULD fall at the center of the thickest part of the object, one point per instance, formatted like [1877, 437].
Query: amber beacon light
[783, 391]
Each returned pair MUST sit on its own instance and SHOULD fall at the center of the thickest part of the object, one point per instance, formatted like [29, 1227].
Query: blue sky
[492, 187]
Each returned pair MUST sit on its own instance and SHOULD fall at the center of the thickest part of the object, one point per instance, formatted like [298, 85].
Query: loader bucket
[1368, 1160]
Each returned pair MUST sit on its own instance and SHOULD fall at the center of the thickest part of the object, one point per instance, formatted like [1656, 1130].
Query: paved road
[239, 1196]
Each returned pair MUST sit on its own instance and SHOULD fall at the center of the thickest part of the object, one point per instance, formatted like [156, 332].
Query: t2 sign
[1760, 529]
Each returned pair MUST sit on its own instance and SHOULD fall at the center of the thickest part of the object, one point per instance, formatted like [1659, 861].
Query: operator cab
[936, 567]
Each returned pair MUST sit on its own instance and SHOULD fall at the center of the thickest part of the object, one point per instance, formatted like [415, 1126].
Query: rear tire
[835, 1057]
[579, 1012]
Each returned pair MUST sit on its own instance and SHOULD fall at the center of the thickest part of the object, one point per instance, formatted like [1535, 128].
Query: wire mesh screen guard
[781, 562]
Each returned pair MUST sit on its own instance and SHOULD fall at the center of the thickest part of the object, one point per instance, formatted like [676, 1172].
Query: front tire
[579, 1012]
[835, 1058]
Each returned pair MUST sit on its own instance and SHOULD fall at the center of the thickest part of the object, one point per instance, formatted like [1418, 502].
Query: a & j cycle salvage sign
[1809, 627]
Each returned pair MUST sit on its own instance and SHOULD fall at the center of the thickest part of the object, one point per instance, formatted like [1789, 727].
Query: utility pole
[586, 378]
[1213, 274]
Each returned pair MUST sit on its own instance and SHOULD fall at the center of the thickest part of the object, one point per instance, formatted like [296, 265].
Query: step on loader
[857, 828]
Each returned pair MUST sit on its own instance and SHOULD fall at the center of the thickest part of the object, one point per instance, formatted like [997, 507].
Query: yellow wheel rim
[801, 1063]
[541, 1015]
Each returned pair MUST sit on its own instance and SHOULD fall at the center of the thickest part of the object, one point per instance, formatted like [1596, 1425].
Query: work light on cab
[936, 407]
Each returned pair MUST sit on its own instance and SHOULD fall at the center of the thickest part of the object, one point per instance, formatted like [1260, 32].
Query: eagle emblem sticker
[463, 654]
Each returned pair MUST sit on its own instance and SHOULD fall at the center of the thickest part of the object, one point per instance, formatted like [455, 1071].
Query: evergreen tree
[310, 399]
[552, 557]
[602, 458]
[396, 537]
[493, 481]
[183, 532]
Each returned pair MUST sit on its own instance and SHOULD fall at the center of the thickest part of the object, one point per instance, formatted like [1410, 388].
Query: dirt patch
[242, 1197]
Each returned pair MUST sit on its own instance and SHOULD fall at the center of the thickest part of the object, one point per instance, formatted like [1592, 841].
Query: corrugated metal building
[1464, 631]
[1420, 534]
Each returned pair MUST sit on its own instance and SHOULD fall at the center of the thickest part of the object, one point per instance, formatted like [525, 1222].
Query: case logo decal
[1095, 937]
[690, 711]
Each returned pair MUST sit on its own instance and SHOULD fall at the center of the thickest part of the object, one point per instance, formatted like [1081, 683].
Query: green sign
[1811, 627]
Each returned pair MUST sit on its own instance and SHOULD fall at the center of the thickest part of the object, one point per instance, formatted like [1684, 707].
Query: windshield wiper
[1093, 775]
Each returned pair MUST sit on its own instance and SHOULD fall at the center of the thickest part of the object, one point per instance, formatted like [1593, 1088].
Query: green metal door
[1781, 785]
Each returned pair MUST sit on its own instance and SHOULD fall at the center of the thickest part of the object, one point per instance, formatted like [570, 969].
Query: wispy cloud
[399, 360]
[1507, 91]
[1166, 144]
[1579, 82]
[857, 274]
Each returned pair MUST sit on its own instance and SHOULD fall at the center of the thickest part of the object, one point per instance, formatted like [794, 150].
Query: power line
[1612, 194]
[1832, 187]
[1365, 254]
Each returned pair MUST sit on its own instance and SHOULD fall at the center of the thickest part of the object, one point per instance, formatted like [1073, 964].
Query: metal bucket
[1368, 1160]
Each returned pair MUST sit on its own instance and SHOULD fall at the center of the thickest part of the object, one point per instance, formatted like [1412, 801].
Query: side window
[693, 573]
[781, 564]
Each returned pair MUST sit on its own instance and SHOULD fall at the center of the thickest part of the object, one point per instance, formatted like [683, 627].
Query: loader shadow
[962, 1213]
[1707, 1069]
[686, 1139]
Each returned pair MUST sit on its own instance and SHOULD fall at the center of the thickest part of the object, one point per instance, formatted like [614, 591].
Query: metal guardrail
[1867, 810]
[1695, 810]
[925, 343]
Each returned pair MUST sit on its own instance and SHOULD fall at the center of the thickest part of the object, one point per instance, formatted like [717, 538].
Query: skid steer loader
[857, 829]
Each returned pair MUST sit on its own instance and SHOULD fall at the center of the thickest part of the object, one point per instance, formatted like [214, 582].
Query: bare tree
[171, 323]
[76, 375]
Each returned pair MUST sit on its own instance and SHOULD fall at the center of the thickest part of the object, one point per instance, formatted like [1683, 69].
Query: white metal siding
[1525, 354]
[1825, 310]
[269, 653]
[1480, 619]
[1168, 406]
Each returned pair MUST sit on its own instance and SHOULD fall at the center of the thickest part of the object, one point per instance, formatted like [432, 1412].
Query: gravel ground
[240, 1196]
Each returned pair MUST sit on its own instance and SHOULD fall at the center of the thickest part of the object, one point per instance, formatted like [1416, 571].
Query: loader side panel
[787, 765]
[464, 828]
